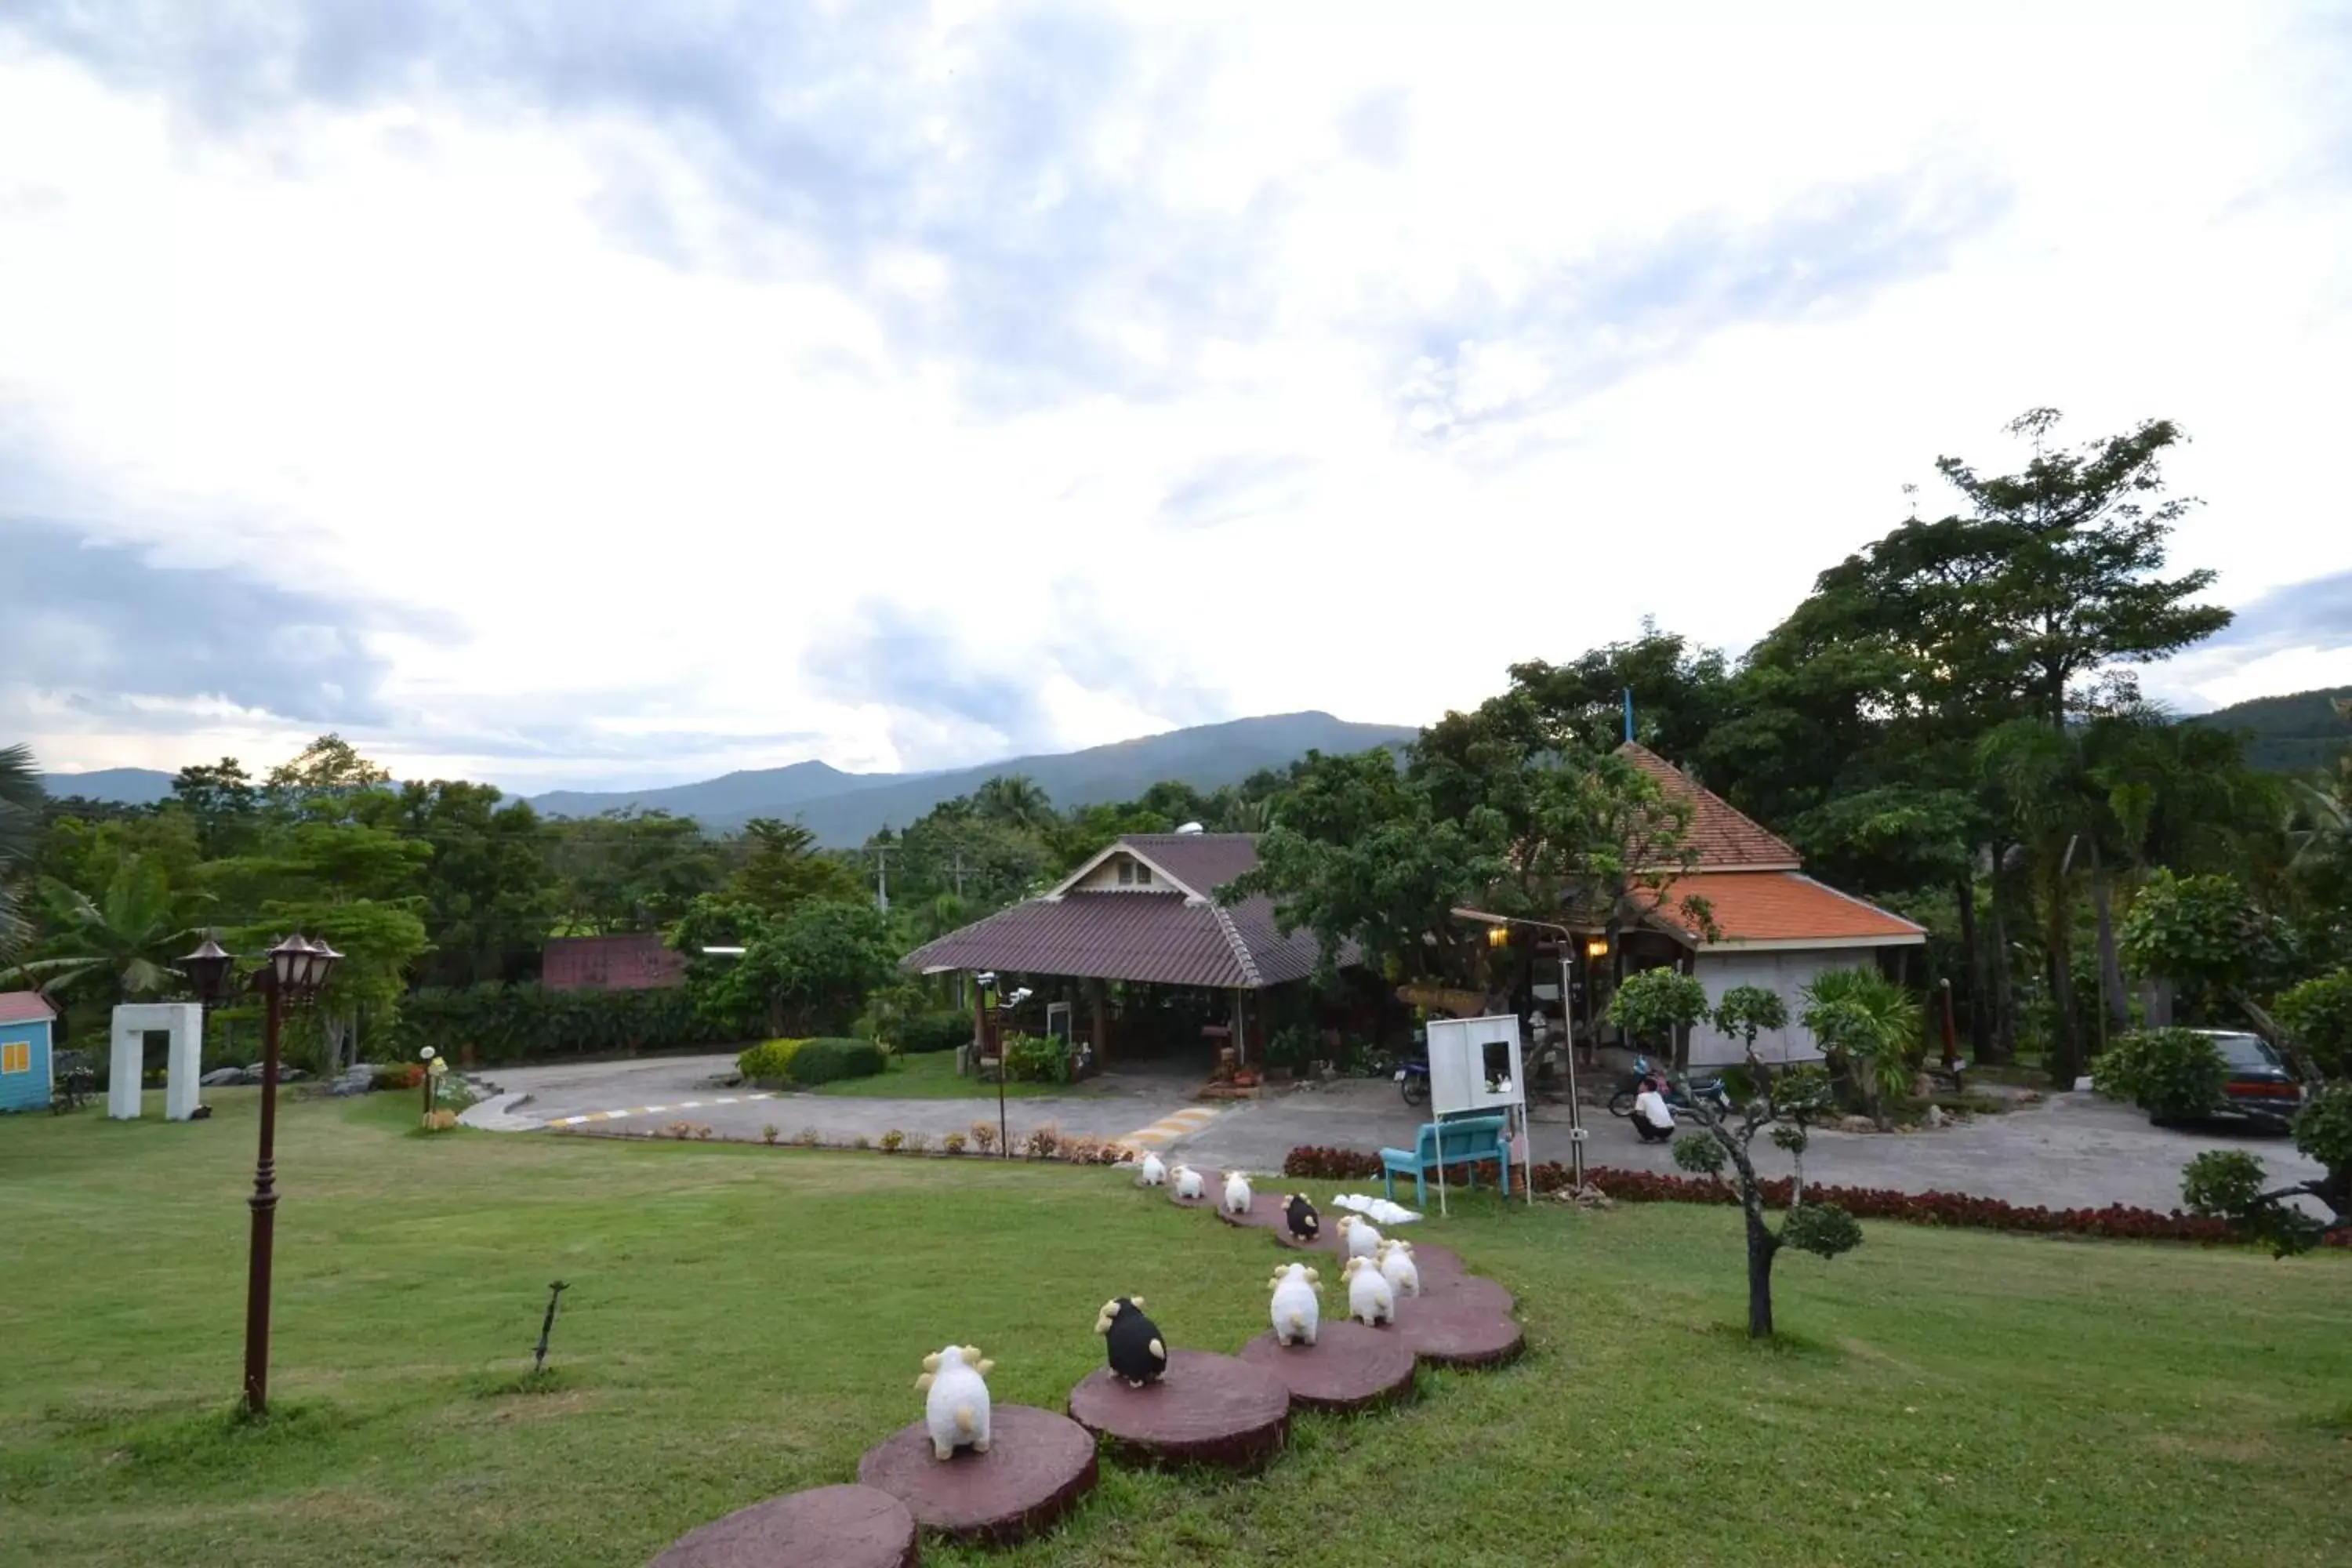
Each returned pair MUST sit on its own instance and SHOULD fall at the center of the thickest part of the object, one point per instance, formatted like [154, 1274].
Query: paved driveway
[2071, 1151]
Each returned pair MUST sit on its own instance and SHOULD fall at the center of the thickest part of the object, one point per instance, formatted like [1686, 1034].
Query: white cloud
[1460, 344]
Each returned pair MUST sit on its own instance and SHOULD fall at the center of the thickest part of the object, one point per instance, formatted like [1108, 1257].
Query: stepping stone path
[1206, 1409]
[843, 1526]
[1037, 1467]
[1348, 1366]
[1229, 1411]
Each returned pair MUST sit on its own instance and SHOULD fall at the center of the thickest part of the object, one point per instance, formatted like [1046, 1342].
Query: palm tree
[1870, 1027]
[20, 833]
[1013, 800]
[118, 946]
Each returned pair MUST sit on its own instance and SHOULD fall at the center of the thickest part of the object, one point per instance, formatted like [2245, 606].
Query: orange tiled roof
[1725, 840]
[1782, 907]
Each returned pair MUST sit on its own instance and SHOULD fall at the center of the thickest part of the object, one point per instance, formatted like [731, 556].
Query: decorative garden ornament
[956, 1409]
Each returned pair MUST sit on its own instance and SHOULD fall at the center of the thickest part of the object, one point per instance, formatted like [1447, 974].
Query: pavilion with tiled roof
[1143, 912]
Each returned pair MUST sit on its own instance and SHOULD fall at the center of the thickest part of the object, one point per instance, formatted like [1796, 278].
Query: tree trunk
[1972, 970]
[2004, 980]
[2111, 967]
[2066, 1049]
[1761, 1245]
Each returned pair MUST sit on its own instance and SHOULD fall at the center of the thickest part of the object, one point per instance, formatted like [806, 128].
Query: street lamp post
[296, 972]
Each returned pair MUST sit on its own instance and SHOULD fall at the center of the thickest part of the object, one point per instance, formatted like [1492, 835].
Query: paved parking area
[2071, 1151]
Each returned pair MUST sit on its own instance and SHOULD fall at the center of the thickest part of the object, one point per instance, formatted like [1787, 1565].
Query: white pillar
[122, 1080]
[184, 1061]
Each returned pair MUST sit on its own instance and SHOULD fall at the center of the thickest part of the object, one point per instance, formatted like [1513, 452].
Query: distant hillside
[127, 787]
[2294, 733]
[1206, 757]
[732, 797]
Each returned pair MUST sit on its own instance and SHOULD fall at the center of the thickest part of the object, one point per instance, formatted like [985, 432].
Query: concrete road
[692, 1088]
[2072, 1151]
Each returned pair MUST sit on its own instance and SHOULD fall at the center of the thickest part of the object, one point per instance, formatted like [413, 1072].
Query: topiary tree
[1747, 1011]
[1784, 1102]
[2230, 1186]
[2198, 937]
[2318, 1016]
[1658, 1005]
[2172, 1073]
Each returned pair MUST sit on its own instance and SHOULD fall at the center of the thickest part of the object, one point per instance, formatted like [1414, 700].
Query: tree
[785, 868]
[1784, 1101]
[220, 801]
[489, 892]
[21, 797]
[1680, 692]
[631, 870]
[327, 770]
[810, 968]
[1745, 1012]
[117, 945]
[1013, 800]
[2231, 1185]
[1869, 1027]
[1659, 1004]
[2200, 936]
[2317, 1017]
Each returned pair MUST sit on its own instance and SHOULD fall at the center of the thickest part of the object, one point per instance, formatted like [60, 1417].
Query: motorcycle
[1413, 1082]
[1678, 1095]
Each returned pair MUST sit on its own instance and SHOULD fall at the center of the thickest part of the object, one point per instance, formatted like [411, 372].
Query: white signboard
[1475, 1065]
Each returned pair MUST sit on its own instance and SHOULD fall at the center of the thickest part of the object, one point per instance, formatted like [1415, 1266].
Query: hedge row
[810, 1062]
[927, 1032]
[519, 1023]
[2117, 1221]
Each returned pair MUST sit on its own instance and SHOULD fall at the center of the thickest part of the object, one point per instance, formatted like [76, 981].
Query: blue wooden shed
[26, 1022]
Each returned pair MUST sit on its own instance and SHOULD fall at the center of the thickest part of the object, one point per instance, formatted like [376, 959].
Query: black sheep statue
[1138, 1355]
[1299, 1215]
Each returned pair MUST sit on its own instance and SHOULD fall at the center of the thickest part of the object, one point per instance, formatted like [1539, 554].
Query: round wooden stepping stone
[1037, 1467]
[1460, 1327]
[1206, 1409]
[830, 1527]
[1438, 1264]
[1466, 1288]
[1348, 1366]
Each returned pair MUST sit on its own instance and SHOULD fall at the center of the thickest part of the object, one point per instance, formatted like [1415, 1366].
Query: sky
[583, 393]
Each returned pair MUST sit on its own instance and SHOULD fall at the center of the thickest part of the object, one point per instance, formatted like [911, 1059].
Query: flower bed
[2117, 1221]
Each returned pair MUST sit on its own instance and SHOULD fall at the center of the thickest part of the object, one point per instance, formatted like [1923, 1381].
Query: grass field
[932, 1075]
[744, 1320]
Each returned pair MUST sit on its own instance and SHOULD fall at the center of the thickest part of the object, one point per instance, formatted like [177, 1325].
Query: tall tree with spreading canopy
[21, 796]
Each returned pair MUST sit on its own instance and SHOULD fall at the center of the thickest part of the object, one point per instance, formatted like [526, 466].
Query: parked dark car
[2262, 1086]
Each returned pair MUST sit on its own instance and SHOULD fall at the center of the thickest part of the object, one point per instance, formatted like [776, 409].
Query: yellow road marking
[1174, 1125]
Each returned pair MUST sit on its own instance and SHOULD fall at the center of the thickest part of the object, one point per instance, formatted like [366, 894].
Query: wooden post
[1100, 1023]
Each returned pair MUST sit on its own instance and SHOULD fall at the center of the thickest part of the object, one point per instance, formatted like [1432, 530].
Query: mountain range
[843, 809]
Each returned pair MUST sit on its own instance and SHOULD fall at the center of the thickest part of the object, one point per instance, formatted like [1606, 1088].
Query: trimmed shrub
[1036, 1059]
[952, 1143]
[503, 1023]
[408, 1075]
[925, 1033]
[893, 1140]
[984, 1137]
[771, 1061]
[2175, 1073]
[830, 1060]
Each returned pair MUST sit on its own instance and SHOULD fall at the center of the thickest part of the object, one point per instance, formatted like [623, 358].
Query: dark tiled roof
[1725, 840]
[1202, 861]
[24, 1008]
[1159, 938]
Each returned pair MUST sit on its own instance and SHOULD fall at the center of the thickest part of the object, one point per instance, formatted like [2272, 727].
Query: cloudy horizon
[588, 395]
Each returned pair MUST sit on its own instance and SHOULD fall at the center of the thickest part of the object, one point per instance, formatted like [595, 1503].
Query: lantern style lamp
[208, 967]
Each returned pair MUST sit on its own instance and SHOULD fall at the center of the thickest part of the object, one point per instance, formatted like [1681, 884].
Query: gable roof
[1180, 937]
[1725, 838]
[24, 1008]
[1781, 909]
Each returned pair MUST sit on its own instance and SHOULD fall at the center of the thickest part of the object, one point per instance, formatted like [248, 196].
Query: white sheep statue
[1358, 1238]
[1154, 1174]
[1398, 1268]
[1237, 1194]
[1297, 1312]
[1370, 1299]
[957, 1410]
[1189, 1188]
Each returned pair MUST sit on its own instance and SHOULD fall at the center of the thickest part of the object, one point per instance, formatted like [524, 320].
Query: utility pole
[882, 878]
[959, 873]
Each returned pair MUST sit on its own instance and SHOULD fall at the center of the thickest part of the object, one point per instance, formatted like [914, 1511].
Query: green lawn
[744, 1320]
[932, 1075]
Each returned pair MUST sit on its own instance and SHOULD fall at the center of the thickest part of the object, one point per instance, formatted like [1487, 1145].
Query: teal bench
[1462, 1142]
